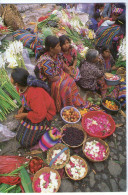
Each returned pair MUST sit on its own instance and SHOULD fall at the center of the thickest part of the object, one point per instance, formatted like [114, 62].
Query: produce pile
[111, 105]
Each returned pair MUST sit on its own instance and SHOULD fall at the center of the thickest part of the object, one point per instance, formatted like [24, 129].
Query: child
[69, 56]
[108, 61]
[37, 109]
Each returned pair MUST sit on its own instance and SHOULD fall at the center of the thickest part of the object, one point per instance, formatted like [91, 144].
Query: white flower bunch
[61, 158]
[13, 53]
[1, 21]
[2, 61]
[58, 13]
[78, 170]
[92, 148]
[122, 49]
[83, 52]
[53, 184]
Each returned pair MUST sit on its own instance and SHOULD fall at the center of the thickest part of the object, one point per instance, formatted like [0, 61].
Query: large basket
[102, 142]
[78, 127]
[12, 17]
[46, 170]
[78, 157]
[56, 147]
[95, 113]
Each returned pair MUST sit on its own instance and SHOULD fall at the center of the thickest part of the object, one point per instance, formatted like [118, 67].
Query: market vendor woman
[37, 109]
[53, 70]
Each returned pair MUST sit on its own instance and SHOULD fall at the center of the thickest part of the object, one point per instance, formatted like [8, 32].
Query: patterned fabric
[70, 57]
[107, 63]
[64, 91]
[117, 11]
[89, 75]
[29, 134]
[105, 35]
[49, 139]
[29, 39]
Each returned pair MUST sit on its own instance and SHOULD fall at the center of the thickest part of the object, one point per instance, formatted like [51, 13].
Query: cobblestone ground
[107, 176]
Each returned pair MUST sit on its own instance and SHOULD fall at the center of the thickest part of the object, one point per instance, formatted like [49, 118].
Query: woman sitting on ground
[108, 61]
[37, 109]
[69, 56]
[52, 69]
[91, 70]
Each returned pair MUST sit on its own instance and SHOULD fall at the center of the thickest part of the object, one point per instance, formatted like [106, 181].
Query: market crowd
[57, 75]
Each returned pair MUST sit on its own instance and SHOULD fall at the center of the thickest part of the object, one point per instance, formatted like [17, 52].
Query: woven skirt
[29, 134]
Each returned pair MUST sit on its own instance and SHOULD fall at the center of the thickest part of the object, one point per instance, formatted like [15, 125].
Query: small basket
[102, 142]
[78, 157]
[78, 127]
[67, 108]
[50, 151]
[46, 170]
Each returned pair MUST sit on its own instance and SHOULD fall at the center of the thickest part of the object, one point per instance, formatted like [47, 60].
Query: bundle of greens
[9, 98]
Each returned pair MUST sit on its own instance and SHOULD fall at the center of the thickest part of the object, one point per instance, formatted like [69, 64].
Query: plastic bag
[5, 133]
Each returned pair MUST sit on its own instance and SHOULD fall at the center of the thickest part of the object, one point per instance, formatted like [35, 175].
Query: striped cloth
[105, 35]
[49, 139]
[29, 40]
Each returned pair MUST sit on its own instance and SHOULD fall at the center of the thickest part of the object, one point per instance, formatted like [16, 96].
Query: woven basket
[78, 127]
[46, 170]
[56, 147]
[78, 157]
[12, 17]
[102, 142]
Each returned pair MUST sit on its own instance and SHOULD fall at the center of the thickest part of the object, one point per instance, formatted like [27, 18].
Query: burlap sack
[12, 17]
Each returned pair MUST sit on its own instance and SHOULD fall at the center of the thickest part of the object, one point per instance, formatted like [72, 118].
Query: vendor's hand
[21, 116]
[106, 18]
[100, 61]
[21, 110]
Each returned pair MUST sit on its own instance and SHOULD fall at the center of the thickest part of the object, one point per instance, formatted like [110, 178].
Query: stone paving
[107, 176]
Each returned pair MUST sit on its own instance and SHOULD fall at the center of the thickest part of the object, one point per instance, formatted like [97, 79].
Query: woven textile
[49, 139]
[29, 134]
[117, 11]
[105, 35]
[29, 39]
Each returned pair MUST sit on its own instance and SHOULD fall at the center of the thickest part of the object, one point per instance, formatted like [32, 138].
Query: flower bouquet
[96, 149]
[76, 168]
[13, 55]
[46, 180]
[98, 124]
[63, 157]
